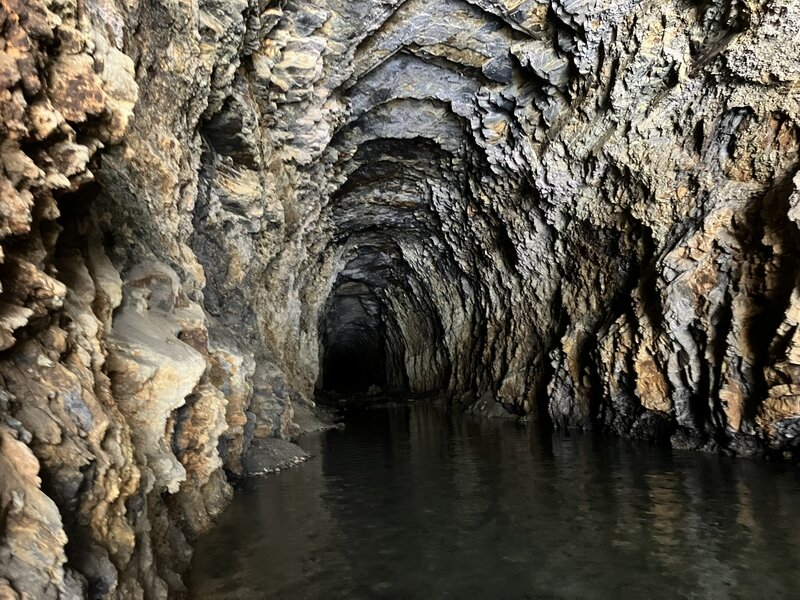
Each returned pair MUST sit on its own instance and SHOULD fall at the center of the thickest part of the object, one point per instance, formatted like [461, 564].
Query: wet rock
[32, 550]
[151, 369]
[269, 455]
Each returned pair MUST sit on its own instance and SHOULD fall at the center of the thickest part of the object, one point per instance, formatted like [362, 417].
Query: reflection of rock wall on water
[579, 212]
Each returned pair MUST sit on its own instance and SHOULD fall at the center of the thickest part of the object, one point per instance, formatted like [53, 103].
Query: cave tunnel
[359, 352]
[579, 214]
[354, 355]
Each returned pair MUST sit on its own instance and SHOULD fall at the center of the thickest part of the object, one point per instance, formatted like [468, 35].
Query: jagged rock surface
[581, 211]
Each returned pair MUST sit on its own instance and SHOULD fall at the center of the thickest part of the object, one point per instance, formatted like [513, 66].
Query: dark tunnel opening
[354, 343]
[352, 367]
[361, 349]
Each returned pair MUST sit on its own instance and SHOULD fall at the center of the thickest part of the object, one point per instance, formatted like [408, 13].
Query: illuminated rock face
[585, 212]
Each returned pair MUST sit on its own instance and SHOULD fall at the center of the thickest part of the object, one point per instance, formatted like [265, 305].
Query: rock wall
[579, 211]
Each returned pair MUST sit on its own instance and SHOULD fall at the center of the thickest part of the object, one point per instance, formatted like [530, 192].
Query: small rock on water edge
[271, 455]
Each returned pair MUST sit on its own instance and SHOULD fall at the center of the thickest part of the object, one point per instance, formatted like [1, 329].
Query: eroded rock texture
[581, 211]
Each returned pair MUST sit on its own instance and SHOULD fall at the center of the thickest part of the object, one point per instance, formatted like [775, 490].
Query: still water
[412, 502]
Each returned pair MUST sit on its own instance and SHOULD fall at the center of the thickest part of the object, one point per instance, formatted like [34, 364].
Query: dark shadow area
[354, 348]
[361, 346]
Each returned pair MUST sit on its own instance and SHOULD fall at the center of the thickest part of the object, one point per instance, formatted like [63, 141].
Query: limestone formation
[581, 212]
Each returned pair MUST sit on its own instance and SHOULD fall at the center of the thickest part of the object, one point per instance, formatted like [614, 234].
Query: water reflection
[415, 503]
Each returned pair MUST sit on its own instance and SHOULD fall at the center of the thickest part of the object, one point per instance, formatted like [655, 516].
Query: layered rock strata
[577, 211]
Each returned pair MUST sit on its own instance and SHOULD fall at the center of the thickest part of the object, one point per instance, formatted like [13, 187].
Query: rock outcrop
[576, 211]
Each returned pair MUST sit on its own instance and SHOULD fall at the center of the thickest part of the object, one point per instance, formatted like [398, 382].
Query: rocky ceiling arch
[582, 212]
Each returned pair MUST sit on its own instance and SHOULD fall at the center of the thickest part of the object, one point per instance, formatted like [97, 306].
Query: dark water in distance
[411, 502]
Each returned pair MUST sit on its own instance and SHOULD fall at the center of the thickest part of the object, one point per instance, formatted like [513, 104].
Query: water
[411, 502]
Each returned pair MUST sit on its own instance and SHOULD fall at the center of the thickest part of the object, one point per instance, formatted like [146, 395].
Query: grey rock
[268, 455]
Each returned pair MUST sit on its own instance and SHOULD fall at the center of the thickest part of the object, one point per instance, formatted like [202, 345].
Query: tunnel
[353, 341]
[217, 216]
